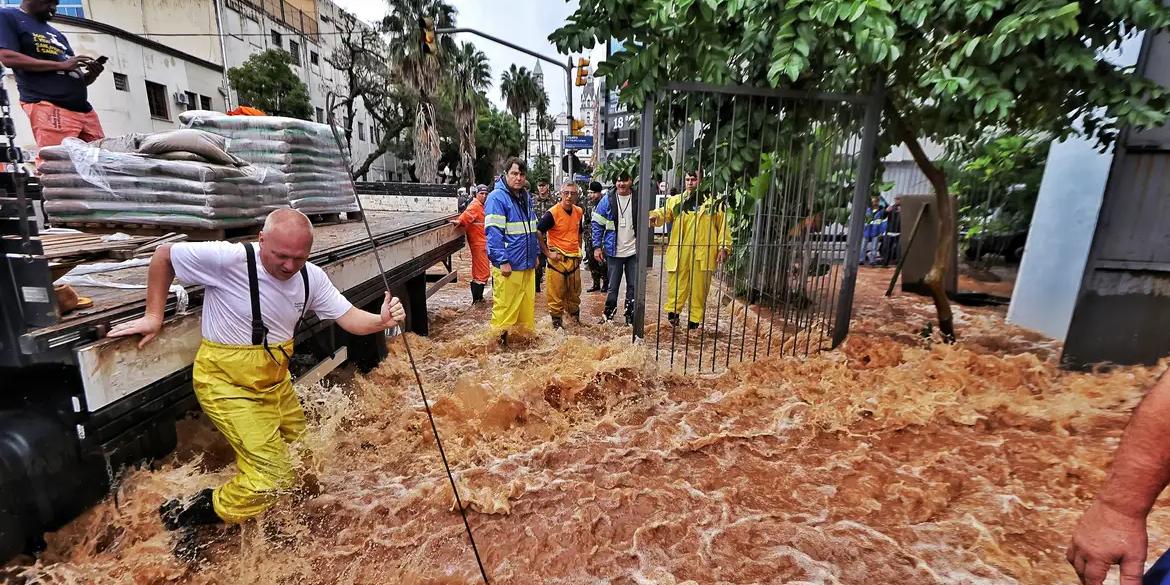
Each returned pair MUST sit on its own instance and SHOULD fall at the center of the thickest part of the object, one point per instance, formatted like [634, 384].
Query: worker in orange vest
[560, 240]
[472, 220]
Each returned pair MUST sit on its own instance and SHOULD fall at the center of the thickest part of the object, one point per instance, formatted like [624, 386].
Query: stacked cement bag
[304, 152]
[209, 190]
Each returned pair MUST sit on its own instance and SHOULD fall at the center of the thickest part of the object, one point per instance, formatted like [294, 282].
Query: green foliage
[609, 171]
[540, 169]
[997, 184]
[497, 138]
[266, 81]
[950, 68]
[470, 76]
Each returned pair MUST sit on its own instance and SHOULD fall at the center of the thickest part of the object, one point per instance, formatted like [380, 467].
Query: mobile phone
[102, 60]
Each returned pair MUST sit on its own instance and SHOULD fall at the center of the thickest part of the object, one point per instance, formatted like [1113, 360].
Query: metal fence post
[861, 191]
[646, 192]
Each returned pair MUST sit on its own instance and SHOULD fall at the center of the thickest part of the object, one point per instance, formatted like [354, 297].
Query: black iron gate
[753, 248]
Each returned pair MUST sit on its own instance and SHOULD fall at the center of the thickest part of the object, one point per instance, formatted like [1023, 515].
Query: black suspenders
[259, 330]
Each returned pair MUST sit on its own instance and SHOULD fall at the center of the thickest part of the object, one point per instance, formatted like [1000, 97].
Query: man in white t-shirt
[254, 297]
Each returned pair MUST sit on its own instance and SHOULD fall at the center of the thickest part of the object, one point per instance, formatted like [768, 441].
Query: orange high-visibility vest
[565, 234]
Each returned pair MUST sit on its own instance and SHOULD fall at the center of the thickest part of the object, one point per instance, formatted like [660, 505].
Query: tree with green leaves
[541, 169]
[266, 81]
[948, 70]
[520, 91]
[470, 77]
[420, 71]
[498, 137]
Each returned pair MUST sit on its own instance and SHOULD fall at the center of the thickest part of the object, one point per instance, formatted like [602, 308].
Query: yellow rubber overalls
[700, 230]
[246, 390]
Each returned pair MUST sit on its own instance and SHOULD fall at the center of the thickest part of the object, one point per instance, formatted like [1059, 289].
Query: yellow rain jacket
[698, 233]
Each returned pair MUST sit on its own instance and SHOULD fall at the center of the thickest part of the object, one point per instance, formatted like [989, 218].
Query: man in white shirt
[615, 241]
[254, 297]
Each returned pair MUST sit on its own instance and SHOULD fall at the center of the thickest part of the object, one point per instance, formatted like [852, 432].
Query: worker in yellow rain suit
[560, 231]
[513, 250]
[241, 378]
[700, 240]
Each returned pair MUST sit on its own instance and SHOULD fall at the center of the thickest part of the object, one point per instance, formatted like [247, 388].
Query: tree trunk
[945, 205]
[526, 141]
[426, 144]
[466, 147]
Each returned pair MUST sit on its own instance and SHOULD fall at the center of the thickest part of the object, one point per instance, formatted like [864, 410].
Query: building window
[156, 98]
[276, 40]
[375, 135]
[320, 116]
[204, 102]
[294, 49]
[121, 82]
[192, 100]
[314, 58]
[361, 131]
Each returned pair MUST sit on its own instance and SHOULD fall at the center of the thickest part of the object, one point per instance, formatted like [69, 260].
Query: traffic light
[576, 127]
[426, 27]
[582, 71]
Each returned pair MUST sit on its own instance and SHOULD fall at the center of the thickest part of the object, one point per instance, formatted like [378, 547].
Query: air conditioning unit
[181, 98]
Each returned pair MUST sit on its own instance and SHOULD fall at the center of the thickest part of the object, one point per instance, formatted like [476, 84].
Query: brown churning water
[889, 460]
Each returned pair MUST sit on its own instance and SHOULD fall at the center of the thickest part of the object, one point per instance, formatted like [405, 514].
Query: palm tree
[540, 102]
[519, 91]
[419, 71]
[470, 77]
[550, 126]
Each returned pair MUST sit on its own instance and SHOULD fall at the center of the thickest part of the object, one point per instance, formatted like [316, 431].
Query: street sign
[582, 178]
[578, 142]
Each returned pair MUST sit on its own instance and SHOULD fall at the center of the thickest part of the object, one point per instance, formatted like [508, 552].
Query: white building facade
[169, 56]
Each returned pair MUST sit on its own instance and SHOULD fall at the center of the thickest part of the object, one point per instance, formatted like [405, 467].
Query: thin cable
[406, 344]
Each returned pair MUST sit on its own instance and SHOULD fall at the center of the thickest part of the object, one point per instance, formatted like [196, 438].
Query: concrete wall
[1062, 228]
[151, 18]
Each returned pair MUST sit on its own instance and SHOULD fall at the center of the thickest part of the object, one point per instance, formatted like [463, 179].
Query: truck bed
[330, 243]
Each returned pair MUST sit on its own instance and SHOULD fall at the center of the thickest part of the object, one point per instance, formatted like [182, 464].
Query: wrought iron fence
[758, 246]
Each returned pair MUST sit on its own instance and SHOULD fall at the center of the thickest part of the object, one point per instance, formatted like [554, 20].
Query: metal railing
[762, 248]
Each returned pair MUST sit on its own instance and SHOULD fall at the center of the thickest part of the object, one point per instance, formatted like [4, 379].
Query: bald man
[254, 297]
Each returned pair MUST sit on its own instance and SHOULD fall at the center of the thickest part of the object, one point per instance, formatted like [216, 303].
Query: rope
[406, 344]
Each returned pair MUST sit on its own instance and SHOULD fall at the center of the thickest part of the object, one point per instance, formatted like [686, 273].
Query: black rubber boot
[199, 512]
[610, 312]
[692, 325]
[673, 319]
[557, 324]
[576, 317]
[629, 312]
[476, 292]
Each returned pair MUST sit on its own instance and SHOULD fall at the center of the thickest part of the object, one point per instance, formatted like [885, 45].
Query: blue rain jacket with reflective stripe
[510, 225]
[604, 222]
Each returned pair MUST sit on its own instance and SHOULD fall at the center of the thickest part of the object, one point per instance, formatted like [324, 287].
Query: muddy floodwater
[888, 460]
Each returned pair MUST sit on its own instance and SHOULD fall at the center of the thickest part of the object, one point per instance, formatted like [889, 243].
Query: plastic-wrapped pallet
[84, 183]
[305, 153]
